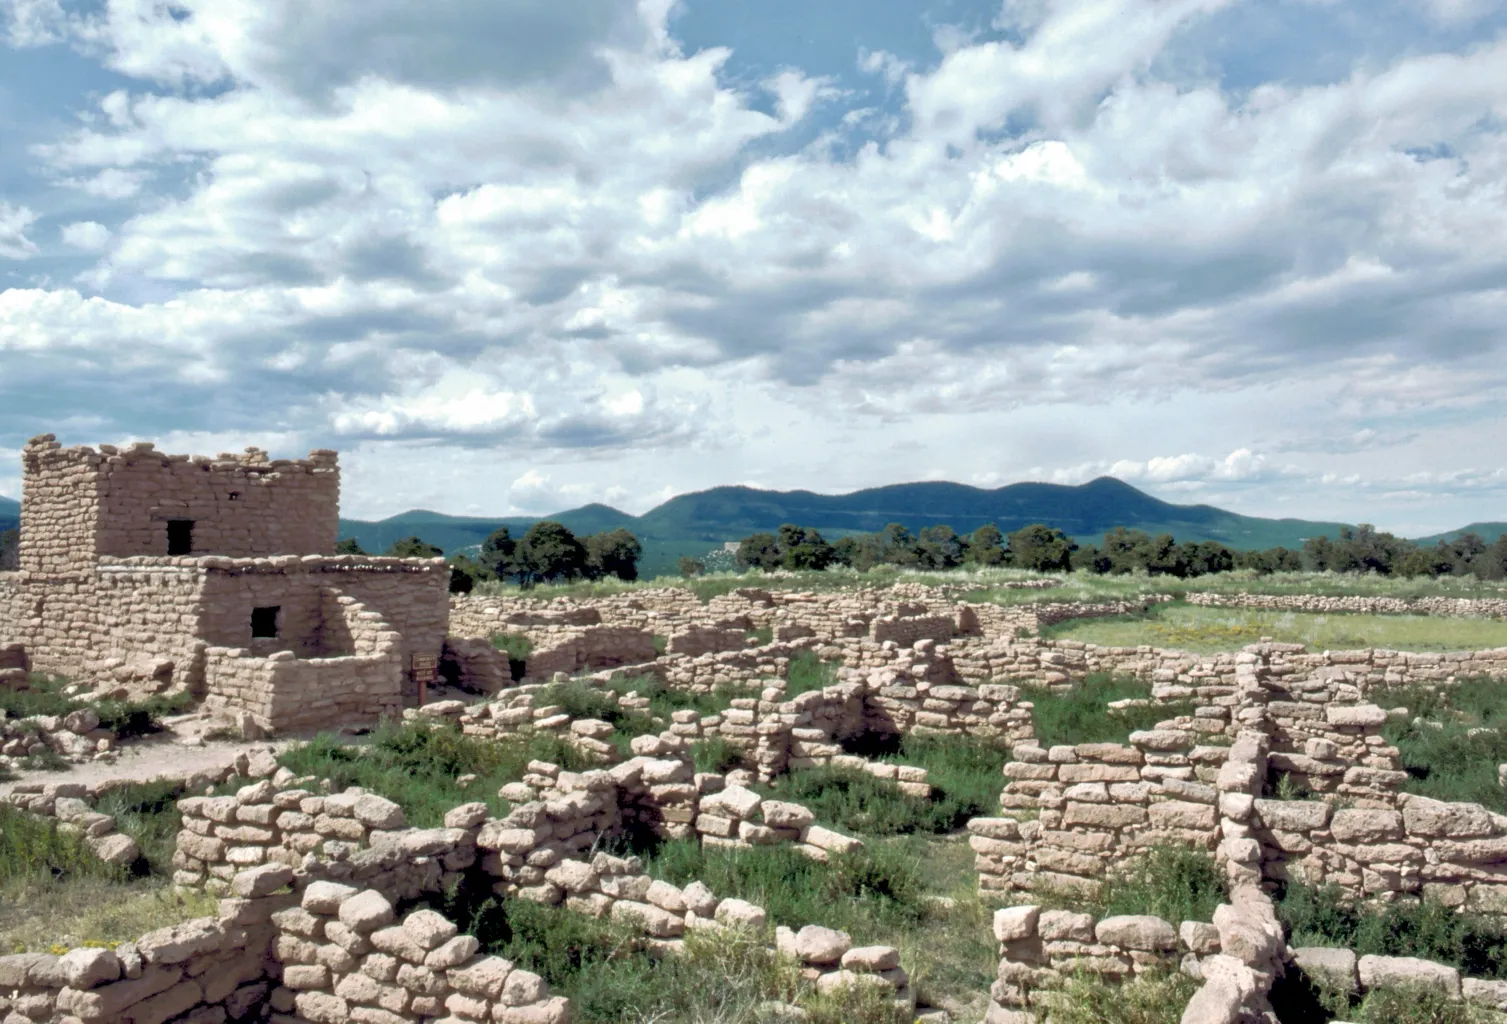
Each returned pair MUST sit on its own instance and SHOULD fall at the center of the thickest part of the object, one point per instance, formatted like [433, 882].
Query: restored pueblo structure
[219, 576]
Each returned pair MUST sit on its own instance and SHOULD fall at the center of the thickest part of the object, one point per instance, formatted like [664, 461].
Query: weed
[1452, 740]
[610, 975]
[1078, 714]
[1326, 916]
[717, 756]
[1175, 883]
[866, 892]
[964, 775]
[762, 635]
[1417, 1005]
[661, 644]
[517, 647]
[148, 813]
[46, 695]
[808, 672]
[416, 766]
[1147, 999]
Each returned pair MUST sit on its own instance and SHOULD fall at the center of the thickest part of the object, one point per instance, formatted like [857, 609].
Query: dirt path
[147, 758]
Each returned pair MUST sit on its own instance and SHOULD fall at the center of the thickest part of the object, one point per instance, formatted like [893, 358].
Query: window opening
[264, 623]
[235, 495]
[180, 536]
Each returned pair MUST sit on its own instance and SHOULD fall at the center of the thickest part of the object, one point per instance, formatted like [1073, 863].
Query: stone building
[219, 576]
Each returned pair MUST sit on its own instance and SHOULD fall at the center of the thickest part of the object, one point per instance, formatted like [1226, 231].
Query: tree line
[1042, 548]
[548, 553]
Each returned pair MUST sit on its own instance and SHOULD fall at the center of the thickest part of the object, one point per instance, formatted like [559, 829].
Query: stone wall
[1456, 607]
[214, 969]
[78, 503]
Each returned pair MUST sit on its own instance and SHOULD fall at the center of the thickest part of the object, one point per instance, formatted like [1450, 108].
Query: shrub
[1078, 714]
[717, 756]
[33, 847]
[1327, 916]
[610, 975]
[1417, 1005]
[416, 766]
[517, 647]
[148, 813]
[1147, 999]
[869, 893]
[1452, 740]
[44, 696]
[1175, 883]
[808, 672]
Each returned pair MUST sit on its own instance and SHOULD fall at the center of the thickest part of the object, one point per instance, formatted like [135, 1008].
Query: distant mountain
[1488, 532]
[10, 514]
[693, 524]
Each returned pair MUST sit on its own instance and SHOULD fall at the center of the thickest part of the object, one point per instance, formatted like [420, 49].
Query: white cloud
[14, 221]
[88, 235]
[30, 23]
[373, 230]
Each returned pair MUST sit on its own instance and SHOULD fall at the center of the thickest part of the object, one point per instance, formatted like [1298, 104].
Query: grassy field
[1452, 740]
[1207, 630]
[54, 893]
[418, 767]
[986, 584]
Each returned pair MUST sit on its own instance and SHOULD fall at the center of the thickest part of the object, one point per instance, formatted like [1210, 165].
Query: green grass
[884, 894]
[1158, 998]
[517, 647]
[44, 696]
[1453, 753]
[762, 635]
[964, 774]
[808, 672]
[1325, 916]
[1208, 630]
[416, 767]
[1078, 714]
[54, 893]
[582, 699]
[610, 975]
[716, 755]
[1175, 883]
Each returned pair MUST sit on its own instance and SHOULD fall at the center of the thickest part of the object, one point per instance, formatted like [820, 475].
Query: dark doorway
[264, 623]
[180, 536]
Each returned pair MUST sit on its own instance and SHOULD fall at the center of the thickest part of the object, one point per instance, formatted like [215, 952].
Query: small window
[235, 495]
[264, 623]
[180, 536]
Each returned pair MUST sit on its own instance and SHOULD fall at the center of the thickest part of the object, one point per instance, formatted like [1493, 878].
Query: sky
[513, 256]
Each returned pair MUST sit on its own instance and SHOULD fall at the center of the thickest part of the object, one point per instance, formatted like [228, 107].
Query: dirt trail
[147, 758]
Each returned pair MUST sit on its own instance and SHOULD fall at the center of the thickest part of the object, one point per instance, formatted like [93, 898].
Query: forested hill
[10, 513]
[692, 524]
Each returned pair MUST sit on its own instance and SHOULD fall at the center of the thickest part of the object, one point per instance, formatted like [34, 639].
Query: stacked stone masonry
[139, 571]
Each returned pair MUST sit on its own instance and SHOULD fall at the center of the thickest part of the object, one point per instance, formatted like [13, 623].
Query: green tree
[938, 547]
[1126, 550]
[1090, 559]
[803, 548]
[462, 580]
[1041, 548]
[897, 546]
[548, 553]
[498, 553]
[760, 551]
[1492, 563]
[613, 553]
[690, 567]
[986, 546]
[348, 546]
[412, 547]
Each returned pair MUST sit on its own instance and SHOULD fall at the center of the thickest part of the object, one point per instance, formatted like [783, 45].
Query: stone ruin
[147, 572]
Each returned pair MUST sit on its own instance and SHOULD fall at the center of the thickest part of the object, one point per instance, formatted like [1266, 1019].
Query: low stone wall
[281, 691]
[1454, 607]
[698, 640]
[1340, 970]
[1041, 949]
[1083, 810]
[201, 970]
